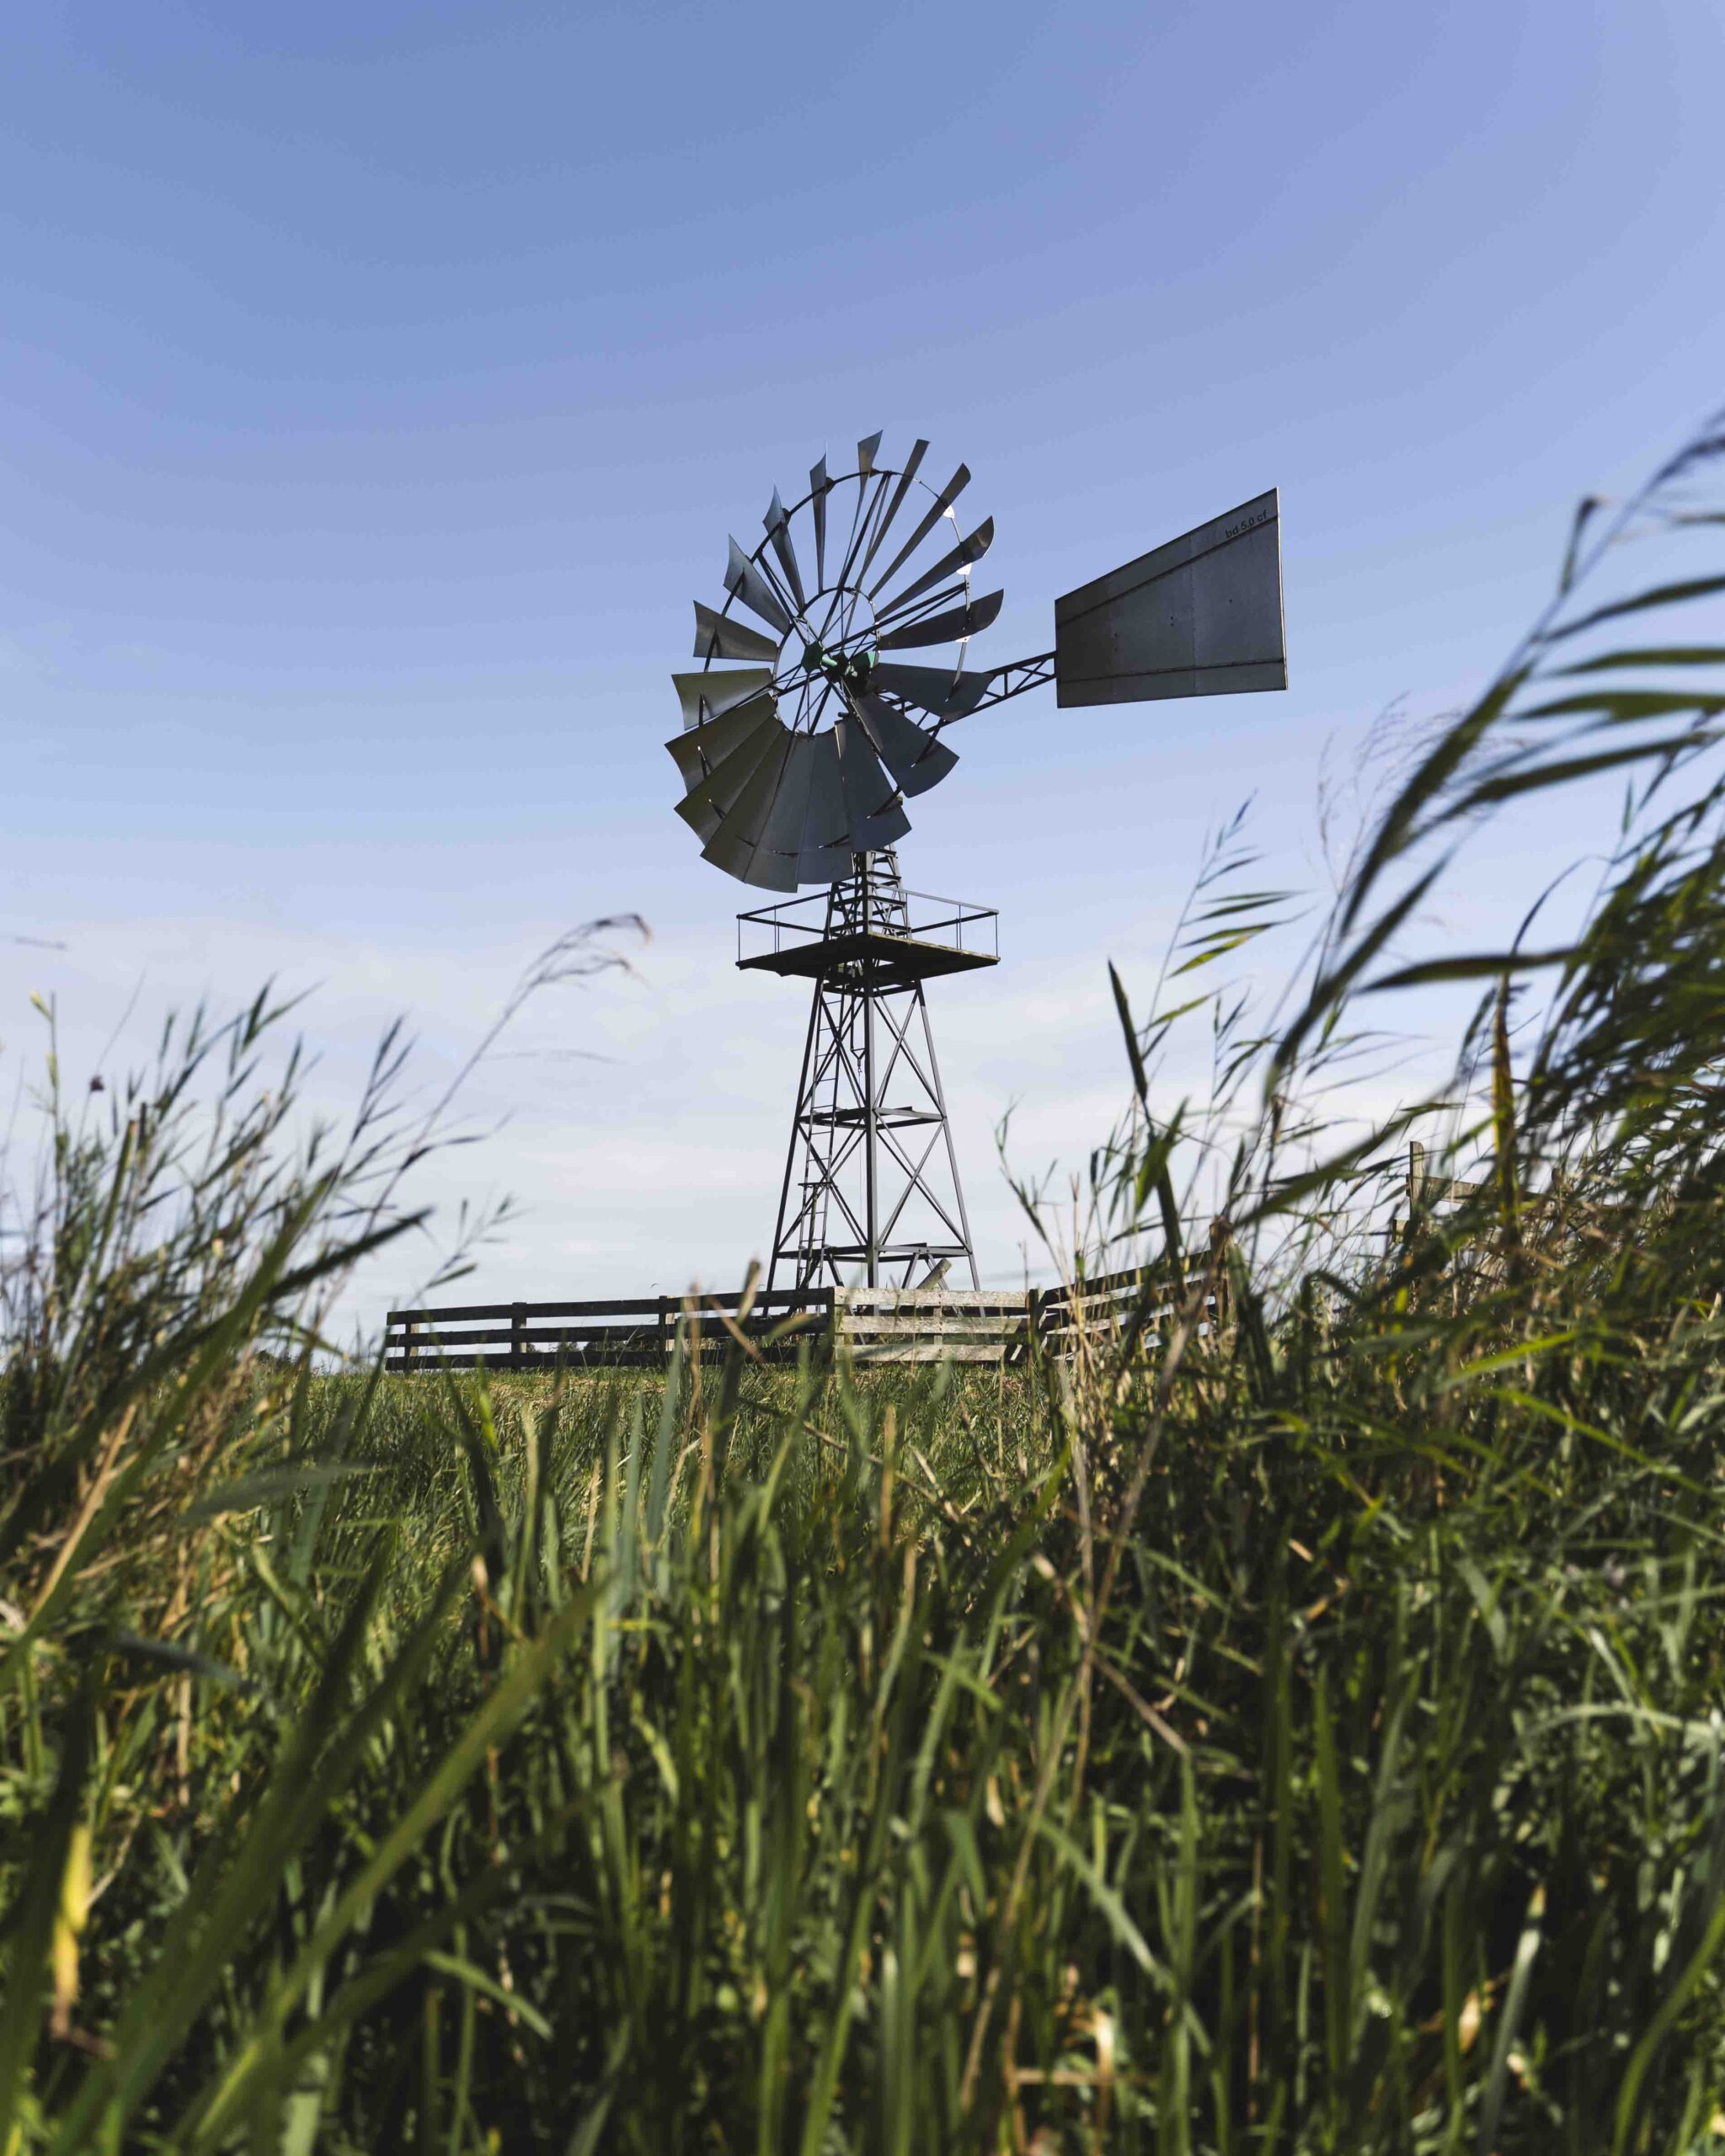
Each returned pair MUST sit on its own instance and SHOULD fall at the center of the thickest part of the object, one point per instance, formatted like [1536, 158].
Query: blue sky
[379, 386]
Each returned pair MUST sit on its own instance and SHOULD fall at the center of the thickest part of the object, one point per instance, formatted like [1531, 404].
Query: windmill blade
[962, 556]
[706, 804]
[919, 451]
[825, 854]
[781, 840]
[818, 484]
[865, 787]
[943, 502]
[707, 696]
[741, 858]
[871, 800]
[716, 635]
[914, 759]
[741, 825]
[946, 628]
[779, 530]
[699, 814]
[760, 839]
[700, 751]
[884, 828]
[865, 455]
[744, 579]
[933, 689]
[871, 485]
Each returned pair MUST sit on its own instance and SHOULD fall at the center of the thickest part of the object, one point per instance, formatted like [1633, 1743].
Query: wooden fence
[876, 1324]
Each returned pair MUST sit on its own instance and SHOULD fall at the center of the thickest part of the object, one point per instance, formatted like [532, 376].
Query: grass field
[1303, 1734]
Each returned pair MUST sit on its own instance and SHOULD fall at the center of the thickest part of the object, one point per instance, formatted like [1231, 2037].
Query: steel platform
[907, 958]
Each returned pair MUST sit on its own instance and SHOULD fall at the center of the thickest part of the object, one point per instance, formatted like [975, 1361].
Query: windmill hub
[844, 666]
[806, 731]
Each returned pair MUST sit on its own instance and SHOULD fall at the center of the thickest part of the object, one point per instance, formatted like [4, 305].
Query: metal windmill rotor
[801, 755]
[804, 732]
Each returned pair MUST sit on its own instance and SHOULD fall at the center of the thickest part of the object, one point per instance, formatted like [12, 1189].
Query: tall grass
[1301, 1733]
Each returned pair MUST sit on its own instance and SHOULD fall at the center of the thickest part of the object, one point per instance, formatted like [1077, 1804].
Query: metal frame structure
[872, 1195]
[806, 730]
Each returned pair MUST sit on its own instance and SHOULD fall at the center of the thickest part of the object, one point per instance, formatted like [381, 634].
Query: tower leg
[795, 1148]
[871, 1142]
[946, 1126]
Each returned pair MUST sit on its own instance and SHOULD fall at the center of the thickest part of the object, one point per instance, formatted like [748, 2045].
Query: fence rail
[876, 1324]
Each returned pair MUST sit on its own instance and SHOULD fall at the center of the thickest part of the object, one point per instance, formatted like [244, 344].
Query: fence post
[1221, 1234]
[517, 1330]
[407, 1346]
[664, 1329]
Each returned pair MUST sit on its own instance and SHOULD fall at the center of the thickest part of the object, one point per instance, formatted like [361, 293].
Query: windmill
[806, 730]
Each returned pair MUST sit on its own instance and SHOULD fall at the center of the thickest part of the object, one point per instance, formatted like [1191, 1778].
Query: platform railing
[804, 920]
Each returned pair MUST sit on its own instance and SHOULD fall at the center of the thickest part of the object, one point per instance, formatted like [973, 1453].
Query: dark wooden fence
[877, 1325]
[633, 1330]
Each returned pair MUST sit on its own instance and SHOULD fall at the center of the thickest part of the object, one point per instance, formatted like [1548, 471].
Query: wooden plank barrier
[616, 1333]
[877, 1325]
[932, 1325]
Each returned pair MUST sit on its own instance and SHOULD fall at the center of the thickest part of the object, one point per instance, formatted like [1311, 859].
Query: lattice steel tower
[872, 1194]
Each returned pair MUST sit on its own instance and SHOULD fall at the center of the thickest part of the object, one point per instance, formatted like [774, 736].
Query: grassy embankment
[1305, 1737]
